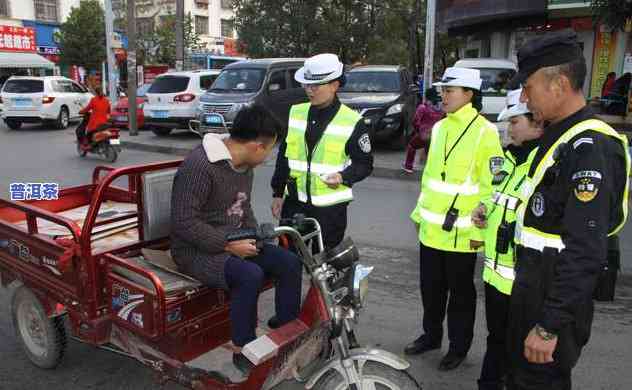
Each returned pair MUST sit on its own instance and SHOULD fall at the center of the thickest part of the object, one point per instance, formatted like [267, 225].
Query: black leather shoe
[421, 345]
[451, 361]
[273, 322]
[242, 363]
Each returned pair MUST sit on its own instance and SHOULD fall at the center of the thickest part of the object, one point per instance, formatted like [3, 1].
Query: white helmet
[461, 77]
[320, 69]
[514, 107]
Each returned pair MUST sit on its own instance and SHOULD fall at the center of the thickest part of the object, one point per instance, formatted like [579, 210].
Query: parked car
[268, 82]
[119, 112]
[55, 99]
[386, 96]
[173, 98]
[496, 73]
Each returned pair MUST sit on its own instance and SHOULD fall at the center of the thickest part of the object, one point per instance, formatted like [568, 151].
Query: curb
[379, 172]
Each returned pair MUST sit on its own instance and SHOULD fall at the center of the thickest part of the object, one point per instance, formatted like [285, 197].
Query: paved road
[387, 240]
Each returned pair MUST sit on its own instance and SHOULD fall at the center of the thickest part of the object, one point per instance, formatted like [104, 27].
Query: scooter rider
[498, 215]
[99, 110]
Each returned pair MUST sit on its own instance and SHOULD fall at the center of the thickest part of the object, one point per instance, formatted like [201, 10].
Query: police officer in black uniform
[574, 199]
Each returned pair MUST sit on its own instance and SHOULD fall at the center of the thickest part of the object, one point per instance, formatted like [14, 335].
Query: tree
[613, 13]
[82, 36]
[164, 39]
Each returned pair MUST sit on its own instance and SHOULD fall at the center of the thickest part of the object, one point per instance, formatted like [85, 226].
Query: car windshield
[495, 81]
[238, 80]
[372, 82]
[169, 84]
[24, 86]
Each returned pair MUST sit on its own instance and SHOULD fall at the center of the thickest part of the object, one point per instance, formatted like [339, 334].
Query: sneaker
[406, 169]
[242, 363]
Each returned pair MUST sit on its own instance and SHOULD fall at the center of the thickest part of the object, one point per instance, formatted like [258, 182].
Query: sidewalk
[387, 163]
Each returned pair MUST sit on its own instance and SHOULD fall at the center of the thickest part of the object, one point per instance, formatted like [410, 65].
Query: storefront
[18, 54]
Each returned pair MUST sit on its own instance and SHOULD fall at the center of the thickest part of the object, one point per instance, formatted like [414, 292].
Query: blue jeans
[245, 279]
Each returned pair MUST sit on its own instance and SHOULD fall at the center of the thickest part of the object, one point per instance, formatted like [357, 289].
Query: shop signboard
[17, 39]
[603, 58]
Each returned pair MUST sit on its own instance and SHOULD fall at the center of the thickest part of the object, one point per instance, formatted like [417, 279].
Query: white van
[496, 73]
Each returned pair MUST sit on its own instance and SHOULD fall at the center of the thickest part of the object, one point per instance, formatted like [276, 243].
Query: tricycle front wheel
[43, 339]
[373, 375]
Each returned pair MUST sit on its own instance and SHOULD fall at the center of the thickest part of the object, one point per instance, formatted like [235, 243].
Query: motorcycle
[105, 140]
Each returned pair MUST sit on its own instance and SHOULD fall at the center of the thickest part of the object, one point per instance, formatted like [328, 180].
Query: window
[46, 10]
[169, 84]
[144, 26]
[207, 81]
[227, 28]
[203, 4]
[227, 4]
[76, 88]
[293, 82]
[201, 25]
[4, 8]
[24, 86]
[277, 81]
[372, 82]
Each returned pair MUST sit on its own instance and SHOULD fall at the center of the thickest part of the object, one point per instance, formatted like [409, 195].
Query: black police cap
[552, 49]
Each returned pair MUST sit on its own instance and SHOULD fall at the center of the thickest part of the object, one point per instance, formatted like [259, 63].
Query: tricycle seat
[172, 282]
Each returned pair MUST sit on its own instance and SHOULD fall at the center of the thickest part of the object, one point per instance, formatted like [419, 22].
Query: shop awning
[24, 60]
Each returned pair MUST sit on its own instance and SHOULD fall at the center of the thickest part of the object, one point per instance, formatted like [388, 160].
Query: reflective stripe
[539, 240]
[332, 198]
[451, 189]
[301, 125]
[505, 272]
[319, 169]
[503, 199]
[438, 219]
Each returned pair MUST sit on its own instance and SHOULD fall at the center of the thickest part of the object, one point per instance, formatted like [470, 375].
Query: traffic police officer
[574, 197]
[498, 216]
[464, 156]
[327, 150]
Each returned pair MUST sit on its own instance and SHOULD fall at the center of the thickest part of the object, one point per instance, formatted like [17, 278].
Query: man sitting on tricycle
[211, 200]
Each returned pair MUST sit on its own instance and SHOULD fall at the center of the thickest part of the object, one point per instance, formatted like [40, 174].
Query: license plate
[21, 102]
[160, 114]
[115, 141]
[214, 119]
[120, 118]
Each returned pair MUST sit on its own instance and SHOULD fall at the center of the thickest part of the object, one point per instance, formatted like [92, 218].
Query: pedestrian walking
[426, 115]
[497, 216]
[465, 154]
[574, 197]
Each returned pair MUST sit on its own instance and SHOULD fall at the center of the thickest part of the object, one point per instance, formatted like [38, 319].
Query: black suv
[386, 97]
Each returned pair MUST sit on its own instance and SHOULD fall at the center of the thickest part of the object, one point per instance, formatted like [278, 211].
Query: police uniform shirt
[358, 148]
[580, 199]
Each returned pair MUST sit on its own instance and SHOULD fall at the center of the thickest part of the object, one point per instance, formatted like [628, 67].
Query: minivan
[268, 82]
[496, 74]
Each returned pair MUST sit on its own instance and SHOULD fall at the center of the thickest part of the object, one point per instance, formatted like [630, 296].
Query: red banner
[17, 39]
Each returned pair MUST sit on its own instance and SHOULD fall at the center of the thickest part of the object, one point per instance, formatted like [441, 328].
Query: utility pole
[109, 35]
[179, 35]
[430, 42]
[131, 67]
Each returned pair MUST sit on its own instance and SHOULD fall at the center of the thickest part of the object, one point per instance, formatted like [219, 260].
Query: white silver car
[42, 99]
[496, 73]
[173, 98]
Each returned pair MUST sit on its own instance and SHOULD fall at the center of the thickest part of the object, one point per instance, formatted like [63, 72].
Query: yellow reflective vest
[458, 173]
[530, 237]
[498, 269]
[329, 155]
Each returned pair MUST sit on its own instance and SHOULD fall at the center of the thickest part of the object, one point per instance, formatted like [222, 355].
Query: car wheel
[13, 124]
[161, 131]
[63, 119]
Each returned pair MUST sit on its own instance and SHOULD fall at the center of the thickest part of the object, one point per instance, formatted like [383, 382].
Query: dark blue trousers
[246, 277]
